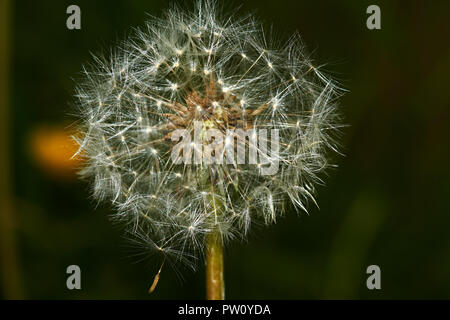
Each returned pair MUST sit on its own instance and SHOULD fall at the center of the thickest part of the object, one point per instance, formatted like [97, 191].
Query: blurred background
[387, 204]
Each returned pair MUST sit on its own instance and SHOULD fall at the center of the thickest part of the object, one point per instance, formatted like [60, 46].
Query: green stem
[215, 285]
[9, 265]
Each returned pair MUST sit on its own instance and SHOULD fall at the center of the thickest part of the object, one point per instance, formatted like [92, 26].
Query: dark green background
[387, 203]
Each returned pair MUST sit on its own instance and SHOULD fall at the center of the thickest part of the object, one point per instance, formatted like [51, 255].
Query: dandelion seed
[156, 280]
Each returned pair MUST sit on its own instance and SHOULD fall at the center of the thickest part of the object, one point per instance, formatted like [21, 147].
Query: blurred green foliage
[386, 204]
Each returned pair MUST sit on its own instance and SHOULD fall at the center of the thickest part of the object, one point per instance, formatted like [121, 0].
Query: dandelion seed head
[202, 65]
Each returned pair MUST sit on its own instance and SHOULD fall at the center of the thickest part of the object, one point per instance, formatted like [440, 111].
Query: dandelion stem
[215, 285]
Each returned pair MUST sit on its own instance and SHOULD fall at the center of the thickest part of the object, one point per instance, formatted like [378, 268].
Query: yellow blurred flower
[52, 148]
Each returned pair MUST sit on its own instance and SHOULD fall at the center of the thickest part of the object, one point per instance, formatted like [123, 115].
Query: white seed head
[167, 77]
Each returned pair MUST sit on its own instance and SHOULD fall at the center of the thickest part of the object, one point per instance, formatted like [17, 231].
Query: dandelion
[202, 69]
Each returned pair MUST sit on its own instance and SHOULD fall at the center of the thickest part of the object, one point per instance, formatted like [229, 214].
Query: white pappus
[223, 71]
